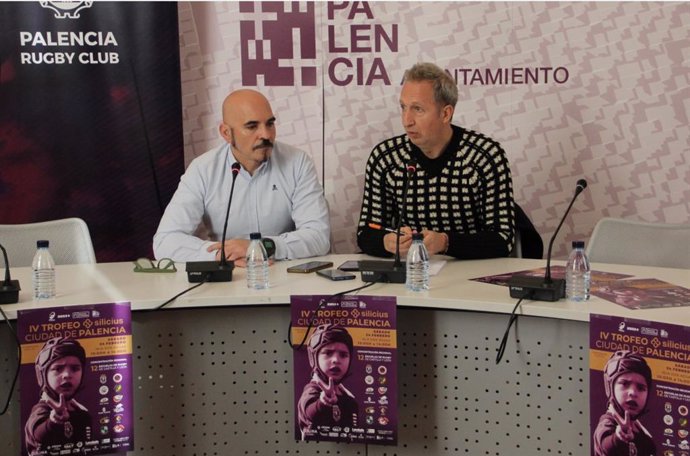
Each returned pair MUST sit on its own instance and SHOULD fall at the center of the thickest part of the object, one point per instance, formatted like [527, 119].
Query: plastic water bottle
[417, 263]
[43, 267]
[257, 263]
[577, 274]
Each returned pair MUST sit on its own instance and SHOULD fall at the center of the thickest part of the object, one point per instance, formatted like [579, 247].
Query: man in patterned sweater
[461, 194]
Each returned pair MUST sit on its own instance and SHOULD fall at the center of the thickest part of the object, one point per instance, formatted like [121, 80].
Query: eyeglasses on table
[162, 265]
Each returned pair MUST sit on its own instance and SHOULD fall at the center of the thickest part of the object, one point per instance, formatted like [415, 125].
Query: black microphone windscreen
[235, 168]
[411, 167]
[581, 185]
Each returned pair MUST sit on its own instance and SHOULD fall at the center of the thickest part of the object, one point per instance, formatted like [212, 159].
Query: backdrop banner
[90, 124]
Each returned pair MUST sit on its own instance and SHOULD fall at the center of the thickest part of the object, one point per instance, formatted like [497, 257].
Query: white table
[213, 373]
[451, 289]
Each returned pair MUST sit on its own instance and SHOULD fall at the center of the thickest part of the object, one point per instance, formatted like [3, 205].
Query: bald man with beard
[277, 193]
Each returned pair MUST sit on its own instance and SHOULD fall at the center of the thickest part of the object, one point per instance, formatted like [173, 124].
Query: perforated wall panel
[218, 381]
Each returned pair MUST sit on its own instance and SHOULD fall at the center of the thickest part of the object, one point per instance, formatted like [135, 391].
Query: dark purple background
[81, 140]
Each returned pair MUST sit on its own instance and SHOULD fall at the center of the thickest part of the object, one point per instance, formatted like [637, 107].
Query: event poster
[643, 293]
[599, 278]
[345, 368]
[76, 380]
[639, 387]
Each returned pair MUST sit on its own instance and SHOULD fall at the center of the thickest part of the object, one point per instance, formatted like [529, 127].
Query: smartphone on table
[310, 266]
[351, 265]
[335, 274]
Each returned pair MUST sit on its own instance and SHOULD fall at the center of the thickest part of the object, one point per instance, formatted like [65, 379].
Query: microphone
[387, 271]
[411, 167]
[212, 271]
[9, 290]
[546, 288]
[235, 169]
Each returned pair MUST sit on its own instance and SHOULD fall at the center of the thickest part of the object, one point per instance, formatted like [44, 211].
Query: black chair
[528, 243]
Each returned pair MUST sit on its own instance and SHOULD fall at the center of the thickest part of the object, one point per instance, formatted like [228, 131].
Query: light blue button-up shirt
[283, 200]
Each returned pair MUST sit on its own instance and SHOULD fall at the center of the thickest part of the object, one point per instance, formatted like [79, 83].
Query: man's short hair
[445, 90]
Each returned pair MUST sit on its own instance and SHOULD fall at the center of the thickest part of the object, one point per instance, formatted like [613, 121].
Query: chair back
[621, 241]
[528, 243]
[70, 241]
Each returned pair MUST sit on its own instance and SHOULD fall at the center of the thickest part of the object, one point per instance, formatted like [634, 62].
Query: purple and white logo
[278, 43]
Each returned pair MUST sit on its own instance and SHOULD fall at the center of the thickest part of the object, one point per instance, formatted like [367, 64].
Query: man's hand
[235, 250]
[435, 242]
[405, 241]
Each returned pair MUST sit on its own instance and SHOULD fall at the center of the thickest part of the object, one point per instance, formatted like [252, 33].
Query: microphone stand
[235, 168]
[546, 288]
[215, 271]
[547, 274]
[387, 271]
[411, 167]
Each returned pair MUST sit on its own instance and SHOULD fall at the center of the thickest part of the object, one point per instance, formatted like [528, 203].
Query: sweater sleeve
[377, 206]
[495, 212]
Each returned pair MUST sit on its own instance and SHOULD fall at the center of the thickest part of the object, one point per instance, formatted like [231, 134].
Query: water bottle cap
[42, 244]
[255, 236]
[578, 244]
[417, 237]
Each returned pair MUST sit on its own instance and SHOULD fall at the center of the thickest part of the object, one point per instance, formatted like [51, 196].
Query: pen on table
[379, 227]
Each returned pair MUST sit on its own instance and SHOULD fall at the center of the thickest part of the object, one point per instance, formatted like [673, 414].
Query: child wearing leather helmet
[325, 402]
[57, 418]
[628, 385]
